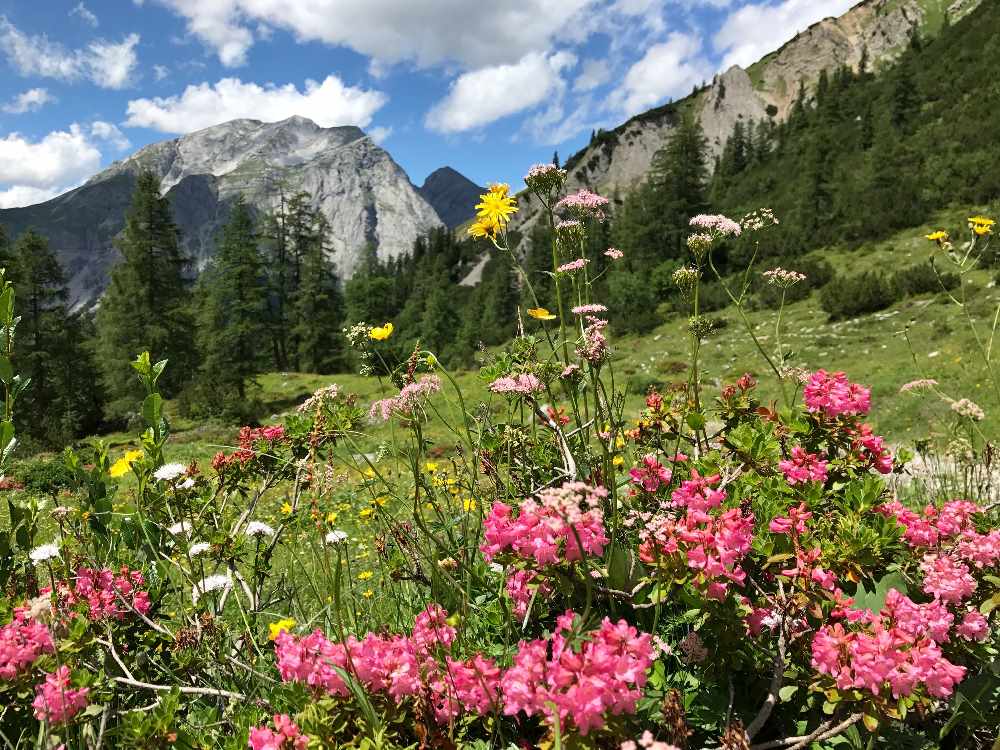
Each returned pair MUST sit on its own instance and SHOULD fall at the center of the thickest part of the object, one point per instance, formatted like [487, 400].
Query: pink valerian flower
[651, 474]
[106, 593]
[580, 680]
[55, 701]
[574, 265]
[410, 398]
[898, 647]
[833, 395]
[794, 524]
[590, 309]
[584, 204]
[285, 736]
[614, 253]
[947, 579]
[400, 667]
[974, 627]
[523, 383]
[544, 177]
[561, 525]
[803, 467]
[717, 223]
[594, 348]
[693, 648]
[522, 588]
[871, 449]
[922, 384]
[22, 641]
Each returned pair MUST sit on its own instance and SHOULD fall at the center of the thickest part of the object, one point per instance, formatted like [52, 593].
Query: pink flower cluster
[594, 348]
[711, 545]
[648, 742]
[833, 394]
[249, 438]
[614, 253]
[400, 667]
[717, 223]
[523, 383]
[573, 265]
[408, 400]
[651, 474]
[898, 649]
[579, 679]
[590, 309]
[584, 205]
[285, 736]
[562, 524]
[107, 594]
[55, 701]
[871, 449]
[953, 522]
[22, 641]
[522, 587]
[947, 579]
[803, 467]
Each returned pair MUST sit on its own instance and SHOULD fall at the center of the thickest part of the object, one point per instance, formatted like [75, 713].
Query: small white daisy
[180, 528]
[198, 548]
[169, 471]
[336, 537]
[187, 484]
[218, 582]
[258, 528]
[44, 552]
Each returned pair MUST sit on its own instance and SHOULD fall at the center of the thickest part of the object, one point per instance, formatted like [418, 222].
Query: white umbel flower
[187, 484]
[167, 472]
[336, 537]
[44, 552]
[220, 582]
[199, 548]
[258, 528]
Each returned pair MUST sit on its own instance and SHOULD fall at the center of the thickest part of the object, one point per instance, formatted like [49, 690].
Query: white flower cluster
[781, 278]
[966, 408]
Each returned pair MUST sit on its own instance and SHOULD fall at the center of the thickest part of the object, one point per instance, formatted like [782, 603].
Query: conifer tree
[63, 400]
[318, 305]
[679, 175]
[145, 307]
[232, 315]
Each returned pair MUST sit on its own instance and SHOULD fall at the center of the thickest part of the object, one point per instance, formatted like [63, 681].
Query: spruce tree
[232, 315]
[679, 175]
[63, 400]
[318, 306]
[145, 307]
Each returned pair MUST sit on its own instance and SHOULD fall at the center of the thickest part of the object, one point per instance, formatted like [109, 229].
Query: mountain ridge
[451, 194]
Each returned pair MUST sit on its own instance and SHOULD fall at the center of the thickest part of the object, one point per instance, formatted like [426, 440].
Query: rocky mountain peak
[452, 195]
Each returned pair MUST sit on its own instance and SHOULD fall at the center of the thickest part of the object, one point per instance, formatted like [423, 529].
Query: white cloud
[429, 32]
[753, 31]
[160, 72]
[380, 133]
[31, 100]
[667, 70]
[482, 96]
[106, 131]
[108, 64]
[594, 73]
[22, 195]
[328, 103]
[60, 158]
[86, 15]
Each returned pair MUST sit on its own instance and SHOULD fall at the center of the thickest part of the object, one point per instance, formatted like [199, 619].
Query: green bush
[44, 476]
[866, 292]
[923, 278]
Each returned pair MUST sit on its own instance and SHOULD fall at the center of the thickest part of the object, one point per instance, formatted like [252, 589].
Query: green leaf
[695, 420]
[7, 305]
[990, 604]
[787, 692]
[871, 722]
[152, 409]
[6, 369]
[875, 600]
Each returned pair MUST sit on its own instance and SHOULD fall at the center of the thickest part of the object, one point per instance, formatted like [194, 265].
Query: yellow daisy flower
[540, 313]
[286, 508]
[368, 594]
[276, 628]
[496, 204]
[937, 236]
[365, 575]
[381, 333]
[484, 228]
[122, 465]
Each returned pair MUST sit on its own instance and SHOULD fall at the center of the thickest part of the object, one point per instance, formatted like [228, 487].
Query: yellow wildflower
[381, 333]
[938, 236]
[122, 465]
[540, 313]
[981, 229]
[431, 466]
[277, 628]
[331, 517]
[468, 504]
[618, 460]
[366, 512]
[368, 594]
[286, 508]
[981, 221]
[365, 575]
[484, 228]
[496, 205]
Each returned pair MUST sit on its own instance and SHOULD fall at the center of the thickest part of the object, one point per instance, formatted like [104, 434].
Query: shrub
[44, 476]
[923, 278]
[866, 292]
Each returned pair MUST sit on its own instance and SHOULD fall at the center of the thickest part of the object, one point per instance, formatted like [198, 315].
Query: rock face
[367, 197]
[617, 160]
[452, 195]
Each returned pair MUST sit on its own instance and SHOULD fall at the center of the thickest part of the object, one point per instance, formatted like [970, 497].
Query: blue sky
[488, 88]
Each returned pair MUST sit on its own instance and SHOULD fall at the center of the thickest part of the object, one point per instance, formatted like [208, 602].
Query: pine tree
[232, 316]
[145, 307]
[679, 178]
[63, 400]
[318, 305]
